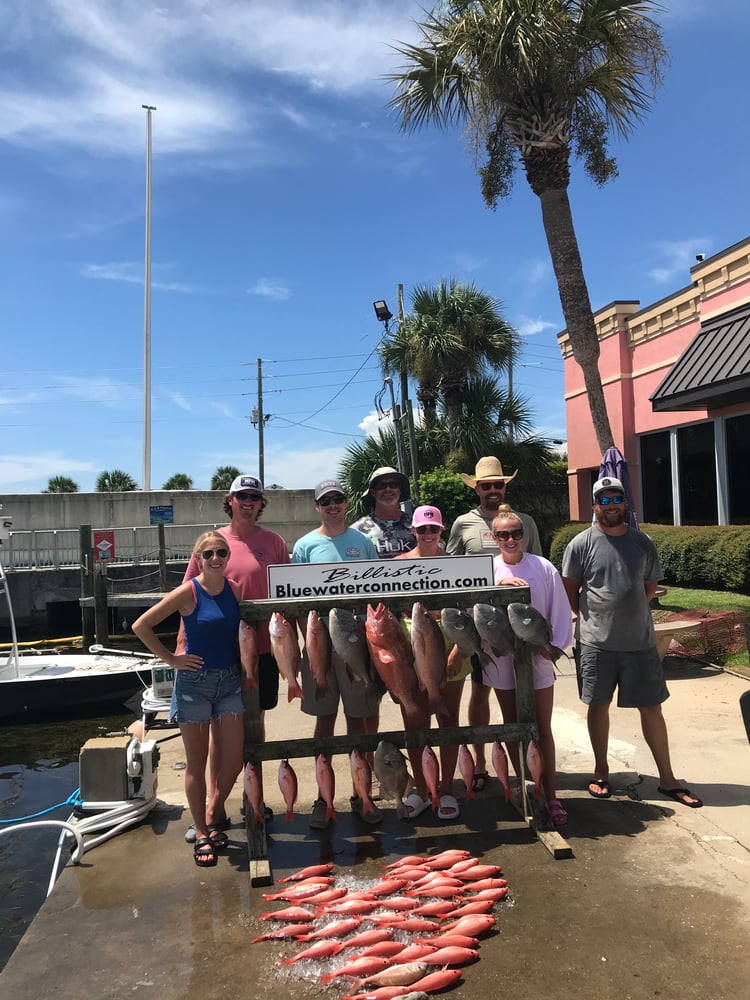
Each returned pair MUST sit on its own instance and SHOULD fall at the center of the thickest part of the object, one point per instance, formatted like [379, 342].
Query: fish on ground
[398, 975]
[494, 629]
[431, 772]
[310, 871]
[336, 929]
[321, 949]
[392, 773]
[461, 631]
[326, 784]
[348, 639]
[451, 955]
[289, 931]
[449, 940]
[318, 647]
[296, 893]
[359, 967]
[248, 638]
[290, 915]
[367, 938]
[466, 767]
[474, 925]
[288, 786]
[392, 657]
[285, 649]
[533, 628]
[500, 763]
[434, 981]
[428, 646]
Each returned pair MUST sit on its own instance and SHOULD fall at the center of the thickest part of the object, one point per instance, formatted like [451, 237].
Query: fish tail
[289, 815]
[330, 812]
[294, 691]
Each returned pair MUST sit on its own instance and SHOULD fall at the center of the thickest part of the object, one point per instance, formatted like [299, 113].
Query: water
[38, 769]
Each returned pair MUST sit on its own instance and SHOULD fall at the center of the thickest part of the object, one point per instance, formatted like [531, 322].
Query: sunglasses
[503, 536]
[605, 501]
[434, 529]
[389, 484]
[332, 498]
[210, 553]
[253, 497]
[491, 486]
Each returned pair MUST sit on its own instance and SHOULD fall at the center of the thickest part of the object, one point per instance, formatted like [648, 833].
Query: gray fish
[348, 639]
[494, 628]
[392, 773]
[533, 628]
[461, 631]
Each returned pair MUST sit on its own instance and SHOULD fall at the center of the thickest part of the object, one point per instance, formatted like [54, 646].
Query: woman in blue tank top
[208, 684]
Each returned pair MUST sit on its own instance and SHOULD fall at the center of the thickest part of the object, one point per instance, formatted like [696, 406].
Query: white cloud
[270, 288]
[372, 424]
[677, 257]
[528, 327]
[132, 272]
[76, 72]
[16, 470]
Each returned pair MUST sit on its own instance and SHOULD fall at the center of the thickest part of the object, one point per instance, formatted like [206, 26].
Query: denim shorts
[206, 695]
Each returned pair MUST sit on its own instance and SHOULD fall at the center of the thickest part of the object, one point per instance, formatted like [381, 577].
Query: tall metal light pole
[146, 471]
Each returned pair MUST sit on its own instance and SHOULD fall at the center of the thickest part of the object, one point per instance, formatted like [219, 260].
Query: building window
[738, 468]
[656, 479]
[697, 463]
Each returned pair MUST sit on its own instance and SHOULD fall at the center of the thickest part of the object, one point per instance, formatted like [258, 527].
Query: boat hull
[69, 686]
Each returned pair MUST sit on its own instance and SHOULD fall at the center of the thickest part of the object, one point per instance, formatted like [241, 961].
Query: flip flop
[415, 805]
[448, 808]
[681, 795]
[603, 785]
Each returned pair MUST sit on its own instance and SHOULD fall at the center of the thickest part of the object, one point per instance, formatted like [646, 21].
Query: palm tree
[115, 482]
[179, 481]
[453, 332]
[61, 484]
[223, 478]
[535, 80]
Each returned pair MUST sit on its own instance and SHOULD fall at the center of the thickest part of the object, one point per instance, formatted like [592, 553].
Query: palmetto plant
[115, 481]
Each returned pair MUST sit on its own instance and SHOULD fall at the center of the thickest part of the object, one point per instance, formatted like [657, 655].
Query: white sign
[378, 577]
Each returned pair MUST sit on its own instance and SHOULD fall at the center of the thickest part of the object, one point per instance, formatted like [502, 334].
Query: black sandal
[204, 853]
[216, 836]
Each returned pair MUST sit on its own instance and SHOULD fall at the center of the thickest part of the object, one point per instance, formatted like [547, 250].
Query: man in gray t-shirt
[610, 573]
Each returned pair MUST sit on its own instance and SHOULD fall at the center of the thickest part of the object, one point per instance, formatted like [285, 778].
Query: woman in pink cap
[427, 526]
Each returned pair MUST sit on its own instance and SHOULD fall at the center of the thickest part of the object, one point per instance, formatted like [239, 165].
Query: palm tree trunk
[576, 306]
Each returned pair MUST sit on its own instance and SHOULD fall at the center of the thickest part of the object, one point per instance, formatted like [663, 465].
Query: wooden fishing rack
[534, 813]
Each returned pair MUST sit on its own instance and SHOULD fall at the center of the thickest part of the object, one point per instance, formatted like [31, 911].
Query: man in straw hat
[471, 534]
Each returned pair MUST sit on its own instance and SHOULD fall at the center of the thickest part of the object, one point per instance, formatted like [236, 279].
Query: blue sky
[284, 201]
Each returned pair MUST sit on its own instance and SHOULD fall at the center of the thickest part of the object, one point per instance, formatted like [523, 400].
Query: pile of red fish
[409, 932]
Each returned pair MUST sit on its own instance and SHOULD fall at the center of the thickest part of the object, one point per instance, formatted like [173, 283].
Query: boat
[35, 684]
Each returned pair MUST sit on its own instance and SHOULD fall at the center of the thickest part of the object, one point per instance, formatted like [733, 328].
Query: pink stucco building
[676, 378]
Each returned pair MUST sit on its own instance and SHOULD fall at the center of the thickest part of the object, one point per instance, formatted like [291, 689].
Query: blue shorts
[638, 677]
[205, 695]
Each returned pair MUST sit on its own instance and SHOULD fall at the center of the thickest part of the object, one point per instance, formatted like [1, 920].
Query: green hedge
[702, 556]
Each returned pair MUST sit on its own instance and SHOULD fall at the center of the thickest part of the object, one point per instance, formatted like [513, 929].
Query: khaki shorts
[359, 700]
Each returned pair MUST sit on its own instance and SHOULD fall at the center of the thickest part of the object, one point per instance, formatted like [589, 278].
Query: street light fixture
[382, 312]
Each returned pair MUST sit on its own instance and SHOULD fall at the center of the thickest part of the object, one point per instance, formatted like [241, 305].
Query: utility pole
[258, 419]
[407, 409]
[146, 471]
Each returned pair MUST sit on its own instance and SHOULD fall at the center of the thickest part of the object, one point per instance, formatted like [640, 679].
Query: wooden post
[101, 611]
[86, 548]
[163, 585]
[257, 844]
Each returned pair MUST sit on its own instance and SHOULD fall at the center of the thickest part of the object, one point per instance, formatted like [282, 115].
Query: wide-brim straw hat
[488, 467]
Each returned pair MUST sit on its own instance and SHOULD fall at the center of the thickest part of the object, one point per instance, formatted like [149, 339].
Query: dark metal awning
[714, 370]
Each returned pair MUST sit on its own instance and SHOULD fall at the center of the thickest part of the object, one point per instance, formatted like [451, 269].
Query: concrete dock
[654, 903]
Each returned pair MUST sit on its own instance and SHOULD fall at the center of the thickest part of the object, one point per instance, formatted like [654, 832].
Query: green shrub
[716, 557]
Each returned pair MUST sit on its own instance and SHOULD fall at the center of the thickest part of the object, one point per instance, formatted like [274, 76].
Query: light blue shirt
[316, 548]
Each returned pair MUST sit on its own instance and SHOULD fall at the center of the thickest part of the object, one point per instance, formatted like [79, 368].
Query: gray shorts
[638, 677]
[359, 700]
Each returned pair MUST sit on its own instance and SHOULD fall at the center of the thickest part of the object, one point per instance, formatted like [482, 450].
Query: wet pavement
[654, 903]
